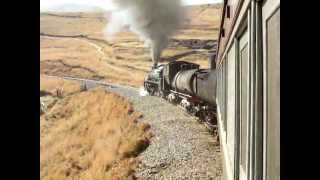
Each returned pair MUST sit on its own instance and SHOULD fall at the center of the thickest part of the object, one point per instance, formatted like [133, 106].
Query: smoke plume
[153, 20]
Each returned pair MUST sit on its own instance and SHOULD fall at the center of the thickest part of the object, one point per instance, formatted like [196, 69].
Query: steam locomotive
[247, 88]
[184, 83]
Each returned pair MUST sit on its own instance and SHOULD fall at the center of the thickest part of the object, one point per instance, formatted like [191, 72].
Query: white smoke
[155, 21]
[143, 92]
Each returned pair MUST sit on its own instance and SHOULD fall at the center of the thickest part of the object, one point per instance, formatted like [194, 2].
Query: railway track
[89, 83]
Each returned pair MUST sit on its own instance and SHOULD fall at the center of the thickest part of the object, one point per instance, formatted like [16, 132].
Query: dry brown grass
[124, 60]
[202, 22]
[52, 85]
[90, 62]
[91, 135]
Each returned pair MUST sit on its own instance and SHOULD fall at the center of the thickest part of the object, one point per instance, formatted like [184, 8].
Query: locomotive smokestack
[154, 21]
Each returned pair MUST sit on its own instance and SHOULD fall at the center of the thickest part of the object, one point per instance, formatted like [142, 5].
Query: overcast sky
[47, 4]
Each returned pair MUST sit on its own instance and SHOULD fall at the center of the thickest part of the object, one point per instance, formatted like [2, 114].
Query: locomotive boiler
[184, 83]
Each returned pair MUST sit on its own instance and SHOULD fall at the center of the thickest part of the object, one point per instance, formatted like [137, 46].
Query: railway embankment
[181, 148]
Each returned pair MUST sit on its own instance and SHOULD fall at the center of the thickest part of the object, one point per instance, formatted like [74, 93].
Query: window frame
[269, 8]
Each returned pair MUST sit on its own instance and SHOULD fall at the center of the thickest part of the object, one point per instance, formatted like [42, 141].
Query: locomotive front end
[152, 82]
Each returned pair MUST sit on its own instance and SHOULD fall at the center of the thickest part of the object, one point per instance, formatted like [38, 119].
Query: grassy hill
[76, 39]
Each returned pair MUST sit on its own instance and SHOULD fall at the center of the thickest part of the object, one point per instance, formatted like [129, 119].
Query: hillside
[73, 44]
[88, 135]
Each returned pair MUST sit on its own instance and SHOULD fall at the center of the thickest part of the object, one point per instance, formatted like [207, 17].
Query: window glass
[273, 96]
[244, 90]
[231, 95]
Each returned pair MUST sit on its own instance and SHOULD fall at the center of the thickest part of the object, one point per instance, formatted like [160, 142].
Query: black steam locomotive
[184, 83]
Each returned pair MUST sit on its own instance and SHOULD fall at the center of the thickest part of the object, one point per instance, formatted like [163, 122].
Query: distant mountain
[73, 8]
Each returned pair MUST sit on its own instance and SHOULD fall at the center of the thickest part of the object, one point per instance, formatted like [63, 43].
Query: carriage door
[271, 88]
[244, 105]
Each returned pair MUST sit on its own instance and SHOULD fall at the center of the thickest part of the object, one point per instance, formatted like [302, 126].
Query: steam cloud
[143, 92]
[153, 20]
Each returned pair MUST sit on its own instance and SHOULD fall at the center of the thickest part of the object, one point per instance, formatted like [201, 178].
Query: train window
[225, 95]
[244, 103]
[231, 99]
[221, 89]
[222, 100]
[218, 86]
[219, 81]
[271, 56]
[221, 95]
